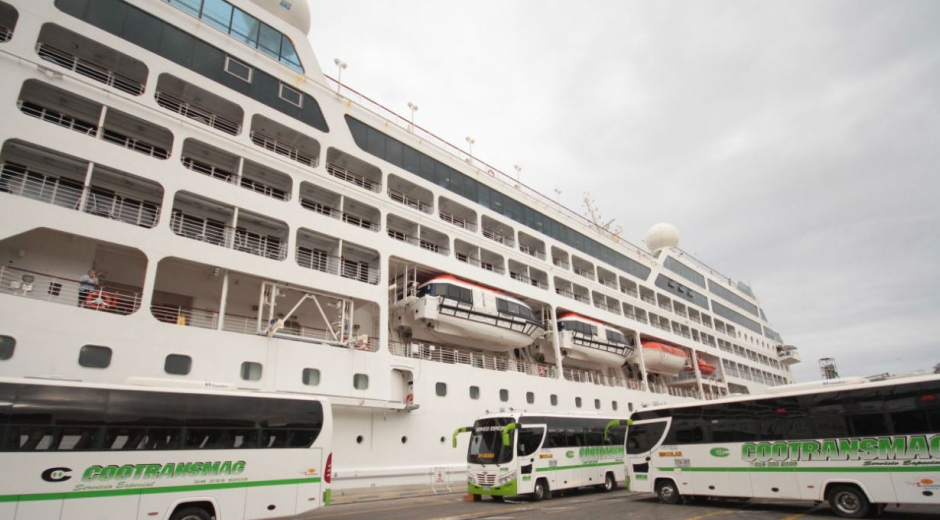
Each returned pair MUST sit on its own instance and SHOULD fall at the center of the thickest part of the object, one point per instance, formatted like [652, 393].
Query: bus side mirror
[458, 431]
[615, 422]
[509, 427]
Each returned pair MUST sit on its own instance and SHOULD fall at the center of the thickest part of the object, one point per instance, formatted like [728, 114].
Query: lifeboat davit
[449, 311]
[704, 367]
[663, 359]
[586, 343]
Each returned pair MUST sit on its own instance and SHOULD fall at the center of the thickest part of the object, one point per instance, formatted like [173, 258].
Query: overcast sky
[793, 144]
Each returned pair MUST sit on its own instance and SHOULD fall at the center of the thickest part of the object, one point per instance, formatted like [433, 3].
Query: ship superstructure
[253, 225]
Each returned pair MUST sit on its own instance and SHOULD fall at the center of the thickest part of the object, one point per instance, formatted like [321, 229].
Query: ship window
[614, 405]
[597, 404]
[530, 397]
[291, 96]
[577, 402]
[360, 381]
[503, 395]
[630, 407]
[251, 371]
[7, 346]
[474, 392]
[178, 364]
[189, 6]
[93, 356]
[311, 376]
[238, 69]
[269, 41]
[440, 389]
[217, 13]
[554, 400]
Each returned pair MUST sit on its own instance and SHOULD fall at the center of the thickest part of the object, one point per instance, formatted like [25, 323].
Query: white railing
[207, 169]
[479, 263]
[228, 237]
[197, 114]
[134, 144]
[323, 262]
[278, 148]
[584, 273]
[66, 291]
[123, 209]
[475, 359]
[402, 237]
[5, 34]
[409, 201]
[560, 262]
[496, 236]
[89, 70]
[569, 294]
[608, 283]
[630, 292]
[353, 178]
[457, 221]
[532, 251]
[531, 281]
[40, 186]
[57, 118]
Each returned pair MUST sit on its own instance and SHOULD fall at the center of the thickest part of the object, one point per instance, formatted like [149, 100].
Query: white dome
[294, 12]
[661, 236]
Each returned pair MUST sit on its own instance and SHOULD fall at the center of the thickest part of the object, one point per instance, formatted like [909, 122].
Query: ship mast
[594, 215]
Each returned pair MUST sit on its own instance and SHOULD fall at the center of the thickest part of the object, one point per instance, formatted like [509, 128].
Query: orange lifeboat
[663, 359]
[704, 367]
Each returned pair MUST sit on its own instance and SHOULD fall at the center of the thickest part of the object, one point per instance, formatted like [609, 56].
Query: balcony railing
[207, 169]
[197, 114]
[352, 178]
[135, 144]
[5, 34]
[584, 273]
[630, 292]
[569, 294]
[496, 236]
[457, 221]
[57, 118]
[291, 153]
[560, 262]
[89, 70]
[531, 281]
[228, 237]
[323, 262]
[402, 237]
[123, 209]
[66, 291]
[475, 359]
[612, 284]
[532, 251]
[479, 263]
[409, 201]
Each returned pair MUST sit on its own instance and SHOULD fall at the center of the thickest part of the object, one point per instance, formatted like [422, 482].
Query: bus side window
[529, 440]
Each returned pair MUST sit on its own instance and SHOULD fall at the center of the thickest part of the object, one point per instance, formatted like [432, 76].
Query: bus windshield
[486, 445]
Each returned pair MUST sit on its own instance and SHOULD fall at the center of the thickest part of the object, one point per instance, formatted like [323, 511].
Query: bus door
[643, 438]
[531, 437]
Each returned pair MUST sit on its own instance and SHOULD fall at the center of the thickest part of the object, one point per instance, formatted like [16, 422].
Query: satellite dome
[661, 236]
[294, 12]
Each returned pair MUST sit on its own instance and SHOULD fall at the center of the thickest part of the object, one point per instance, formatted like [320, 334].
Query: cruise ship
[254, 224]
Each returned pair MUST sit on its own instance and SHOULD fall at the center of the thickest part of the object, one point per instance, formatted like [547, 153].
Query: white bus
[537, 453]
[86, 451]
[857, 446]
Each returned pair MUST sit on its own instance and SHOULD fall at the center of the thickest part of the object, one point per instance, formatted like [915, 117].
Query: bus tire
[541, 491]
[849, 502]
[610, 483]
[667, 492]
[191, 513]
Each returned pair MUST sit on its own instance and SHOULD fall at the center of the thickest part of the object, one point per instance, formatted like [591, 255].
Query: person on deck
[87, 285]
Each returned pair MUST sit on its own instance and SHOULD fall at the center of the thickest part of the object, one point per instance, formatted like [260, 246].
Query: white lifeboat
[664, 359]
[585, 342]
[450, 311]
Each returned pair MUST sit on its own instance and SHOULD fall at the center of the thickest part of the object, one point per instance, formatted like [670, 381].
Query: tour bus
[538, 453]
[88, 451]
[858, 446]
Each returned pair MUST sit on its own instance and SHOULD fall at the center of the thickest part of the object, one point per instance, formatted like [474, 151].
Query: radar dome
[294, 12]
[661, 236]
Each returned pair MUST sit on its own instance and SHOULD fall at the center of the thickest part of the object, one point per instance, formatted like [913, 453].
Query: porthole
[440, 389]
[597, 404]
[311, 376]
[360, 381]
[503, 395]
[443, 439]
[474, 392]
[359, 439]
[614, 405]
[178, 364]
[577, 402]
[7, 346]
[94, 356]
[530, 397]
[404, 439]
[251, 371]
[554, 400]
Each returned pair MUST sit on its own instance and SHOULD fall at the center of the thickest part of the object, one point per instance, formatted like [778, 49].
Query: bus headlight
[507, 478]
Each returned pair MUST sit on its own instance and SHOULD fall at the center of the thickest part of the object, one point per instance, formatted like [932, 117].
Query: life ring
[491, 173]
[100, 300]
[410, 399]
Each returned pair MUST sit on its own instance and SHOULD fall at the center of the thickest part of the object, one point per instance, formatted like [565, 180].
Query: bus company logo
[569, 454]
[720, 452]
[927, 484]
[917, 450]
[56, 474]
[163, 471]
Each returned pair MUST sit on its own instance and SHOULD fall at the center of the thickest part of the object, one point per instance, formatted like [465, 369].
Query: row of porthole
[440, 389]
[404, 439]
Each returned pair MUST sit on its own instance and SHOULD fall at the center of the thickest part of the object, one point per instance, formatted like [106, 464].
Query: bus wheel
[610, 483]
[499, 498]
[191, 513]
[849, 502]
[541, 491]
[667, 492]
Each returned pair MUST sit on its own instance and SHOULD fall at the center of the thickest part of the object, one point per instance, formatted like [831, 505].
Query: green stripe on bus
[558, 468]
[151, 491]
[841, 469]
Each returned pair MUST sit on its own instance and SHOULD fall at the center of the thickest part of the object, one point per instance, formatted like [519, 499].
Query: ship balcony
[198, 105]
[284, 141]
[353, 170]
[457, 221]
[205, 221]
[67, 110]
[434, 241]
[319, 260]
[6, 34]
[498, 232]
[560, 258]
[531, 246]
[411, 202]
[788, 356]
[354, 213]
[91, 59]
[220, 165]
[628, 288]
[111, 194]
[34, 285]
[535, 282]
[457, 214]
[8, 18]
[583, 268]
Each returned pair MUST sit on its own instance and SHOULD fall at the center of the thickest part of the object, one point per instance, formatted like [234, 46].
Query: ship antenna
[594, 215]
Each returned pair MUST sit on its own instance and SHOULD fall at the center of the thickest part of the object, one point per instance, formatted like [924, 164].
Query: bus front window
[641, 438]
[486, 445]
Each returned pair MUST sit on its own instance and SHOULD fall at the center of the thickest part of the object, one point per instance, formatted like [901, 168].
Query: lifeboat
[586, 343]
[451, 312]
[664, 359]
[704, 367]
